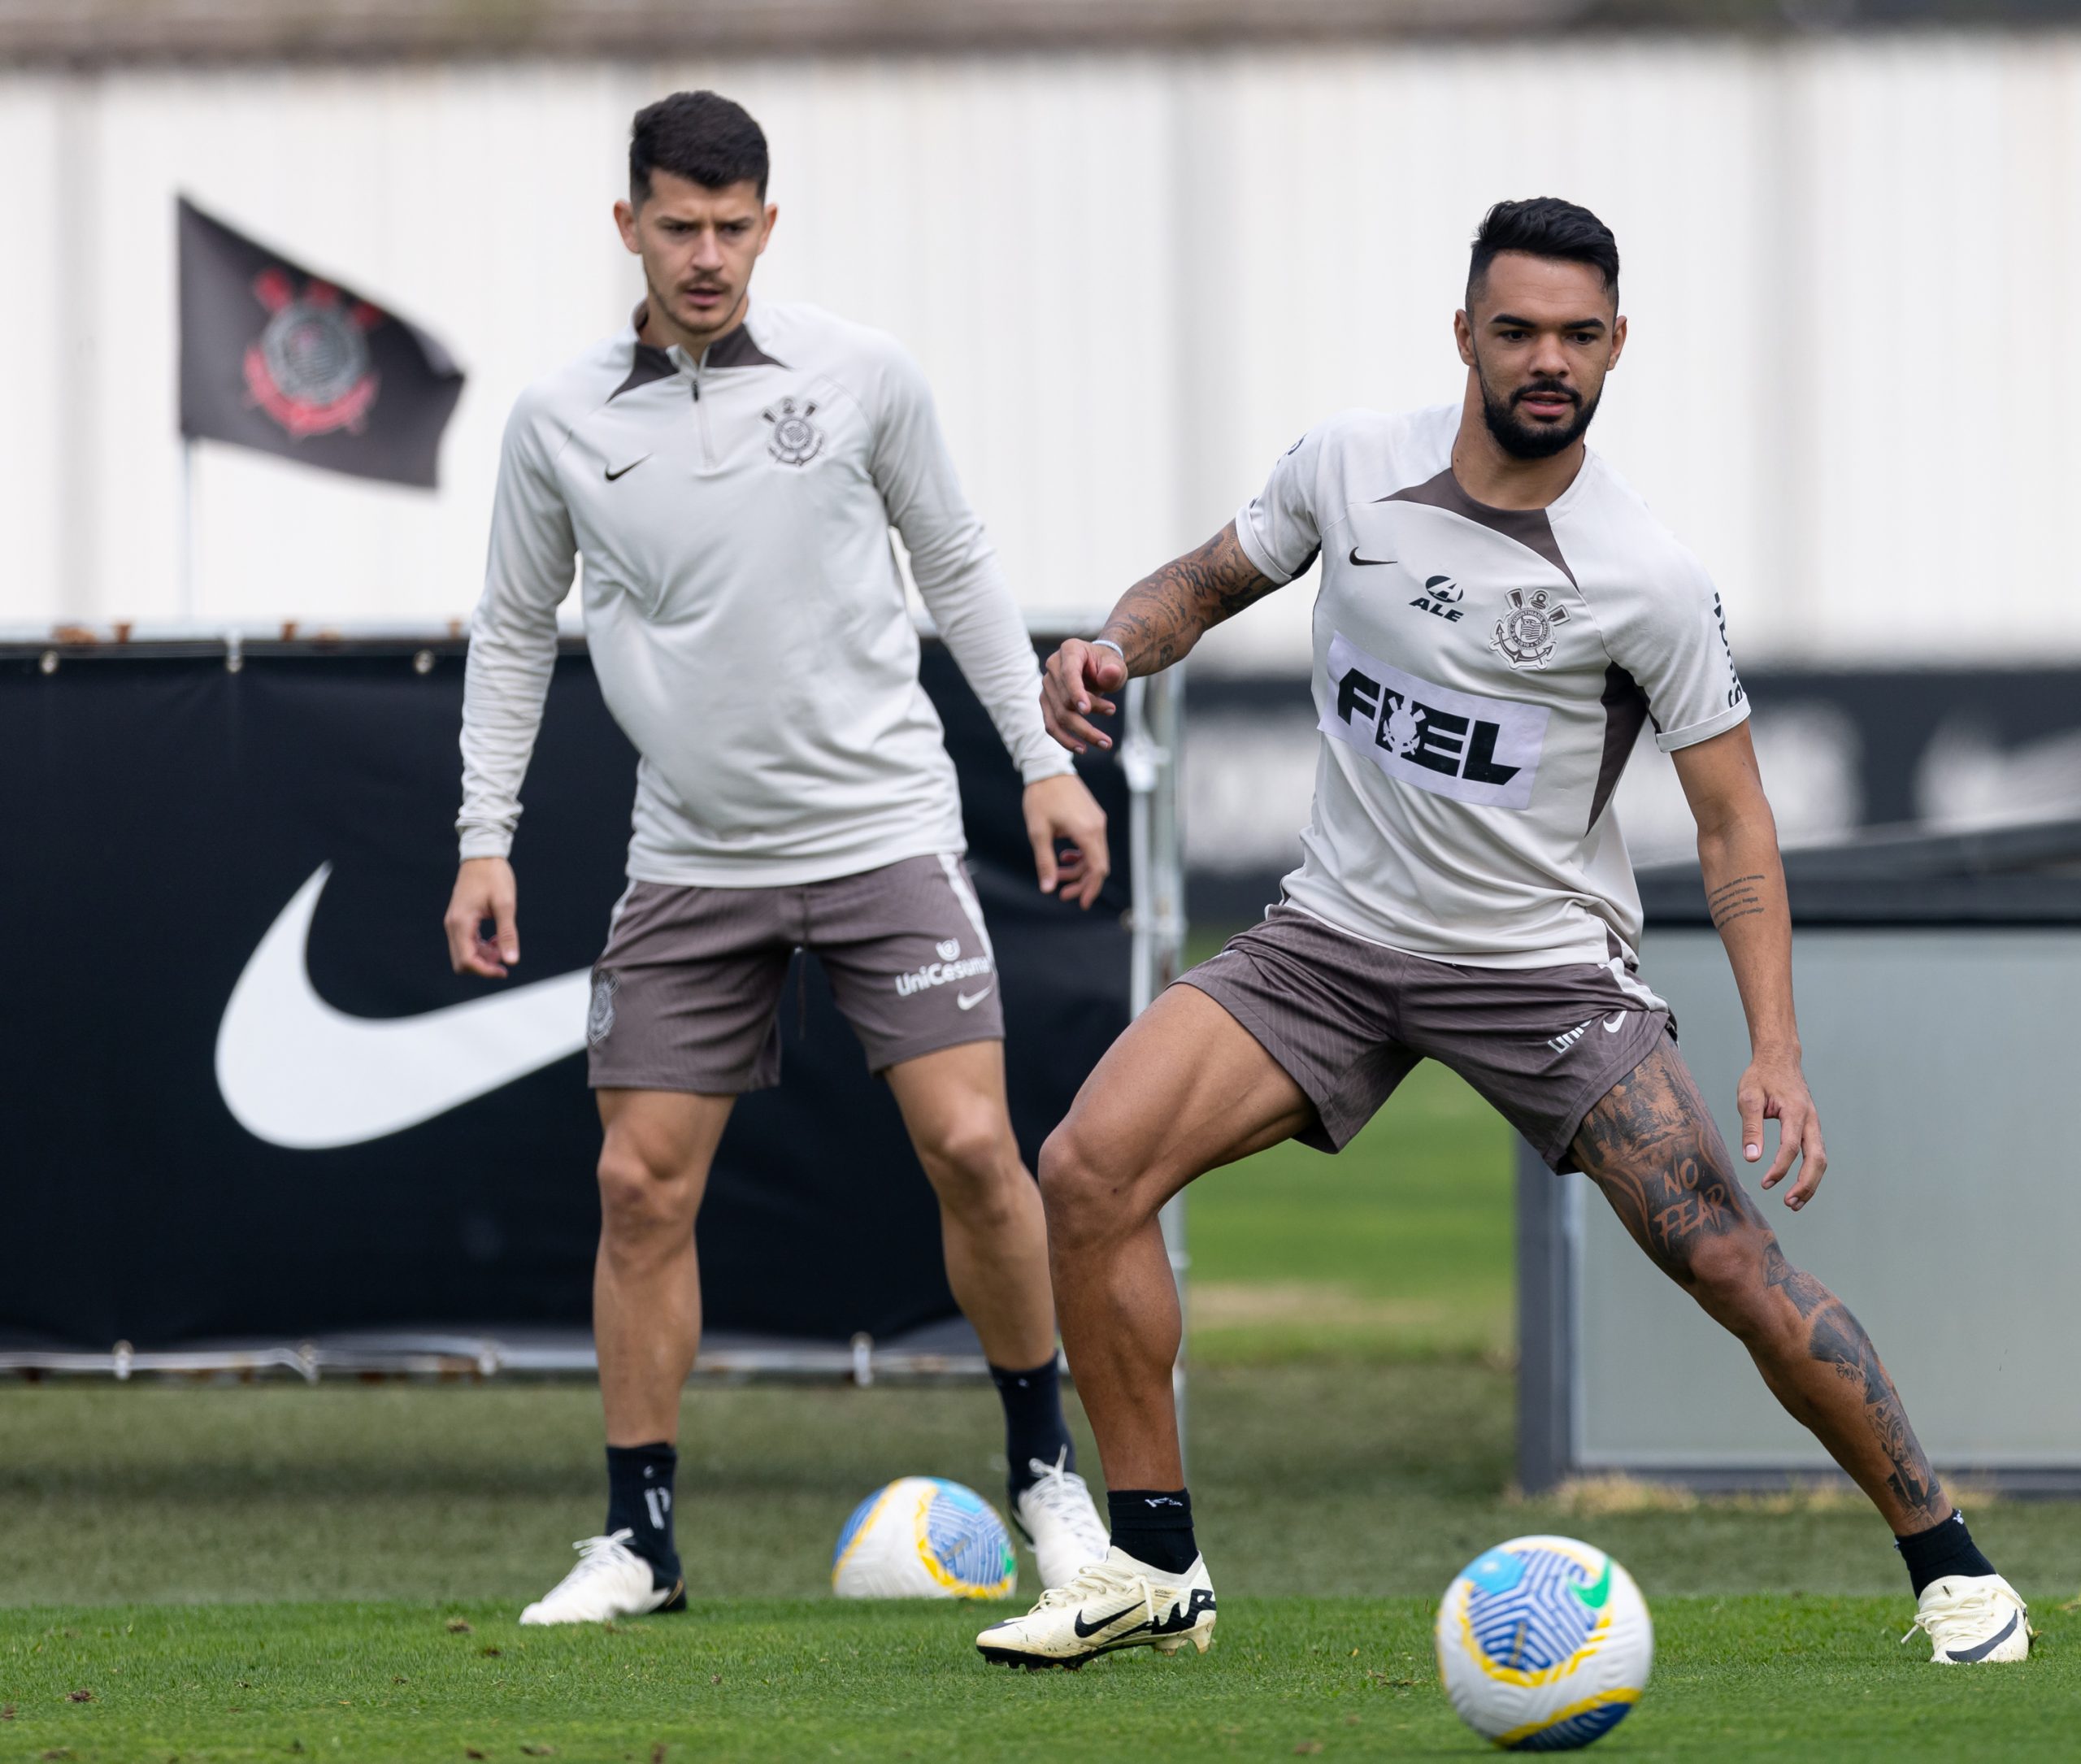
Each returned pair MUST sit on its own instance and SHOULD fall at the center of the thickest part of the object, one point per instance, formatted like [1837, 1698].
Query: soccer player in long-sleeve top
[1499, 615]
[730, 472]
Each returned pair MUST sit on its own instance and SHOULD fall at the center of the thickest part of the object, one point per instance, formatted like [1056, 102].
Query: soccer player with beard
[1498, 616]
[730, 472]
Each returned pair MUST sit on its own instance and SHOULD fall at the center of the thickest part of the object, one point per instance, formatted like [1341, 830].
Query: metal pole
[184, 541]
[1149, 759]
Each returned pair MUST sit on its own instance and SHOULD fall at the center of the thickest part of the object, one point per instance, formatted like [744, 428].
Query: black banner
[275, 359]
[165, 815]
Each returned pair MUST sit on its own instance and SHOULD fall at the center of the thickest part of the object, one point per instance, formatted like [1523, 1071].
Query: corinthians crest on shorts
[795, 441]
[275, 359]
[600, 1014]
[1525, 632]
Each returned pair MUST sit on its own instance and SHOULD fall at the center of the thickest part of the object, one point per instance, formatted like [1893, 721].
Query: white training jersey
[743, 604]
[1480, 676]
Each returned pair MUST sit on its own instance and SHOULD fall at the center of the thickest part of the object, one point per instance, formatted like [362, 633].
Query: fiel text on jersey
[1433, 738]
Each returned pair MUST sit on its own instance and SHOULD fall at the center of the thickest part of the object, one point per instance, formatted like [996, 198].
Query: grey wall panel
[1945, 1065]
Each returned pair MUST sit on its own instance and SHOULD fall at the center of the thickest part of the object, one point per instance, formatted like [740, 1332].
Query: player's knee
[1084, 1201]
[639, 1199]
[1725, 1275]
[973, 1151]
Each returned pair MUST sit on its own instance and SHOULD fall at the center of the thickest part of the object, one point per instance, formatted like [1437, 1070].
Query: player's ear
[625, 225]
[1463, 335]
[1617, 341]
[773, 218]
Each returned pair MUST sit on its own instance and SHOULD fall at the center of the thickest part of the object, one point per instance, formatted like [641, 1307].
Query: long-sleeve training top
[743, 603]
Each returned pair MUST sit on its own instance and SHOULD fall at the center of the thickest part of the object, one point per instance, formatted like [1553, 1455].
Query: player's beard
[1525, 440]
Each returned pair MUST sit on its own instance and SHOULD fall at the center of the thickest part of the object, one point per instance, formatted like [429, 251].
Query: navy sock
[640, 1501]
[1155, 1526]
[1034, 1427]
[1942, 1549]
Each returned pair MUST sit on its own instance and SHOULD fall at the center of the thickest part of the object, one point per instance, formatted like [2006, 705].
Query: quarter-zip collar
[737, 347]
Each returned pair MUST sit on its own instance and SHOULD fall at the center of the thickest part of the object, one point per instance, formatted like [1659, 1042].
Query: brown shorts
[1348, 1020]
[687, 994]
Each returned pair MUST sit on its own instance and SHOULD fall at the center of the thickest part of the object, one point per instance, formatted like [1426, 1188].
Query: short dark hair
[1544, 226]
[702, 136]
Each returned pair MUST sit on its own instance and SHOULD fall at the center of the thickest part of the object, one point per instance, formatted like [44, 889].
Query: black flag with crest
[276, 358]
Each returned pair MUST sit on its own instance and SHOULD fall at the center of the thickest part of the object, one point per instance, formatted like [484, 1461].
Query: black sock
[640, 1501]
[1942, 1549]
[1155, 1526]
[1034, 1427]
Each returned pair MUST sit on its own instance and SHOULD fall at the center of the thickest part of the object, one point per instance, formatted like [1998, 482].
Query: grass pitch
[283, 1573]
[1754, 1677]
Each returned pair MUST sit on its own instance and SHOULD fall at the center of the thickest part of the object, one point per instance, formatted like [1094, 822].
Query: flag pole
[184, 562]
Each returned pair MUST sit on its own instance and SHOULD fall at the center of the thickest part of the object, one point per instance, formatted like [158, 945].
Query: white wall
[1850, 269]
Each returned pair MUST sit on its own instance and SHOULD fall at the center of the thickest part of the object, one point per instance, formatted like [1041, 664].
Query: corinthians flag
[275, 359]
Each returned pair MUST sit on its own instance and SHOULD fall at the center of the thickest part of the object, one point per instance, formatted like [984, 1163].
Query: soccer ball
[1545, 1644]
[924, 1538]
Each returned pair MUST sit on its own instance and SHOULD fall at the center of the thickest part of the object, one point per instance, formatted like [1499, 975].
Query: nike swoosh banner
[247, 1101]
[275, 357]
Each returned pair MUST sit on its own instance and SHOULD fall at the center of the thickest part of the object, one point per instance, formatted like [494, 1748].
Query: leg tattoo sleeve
[1651, 1146]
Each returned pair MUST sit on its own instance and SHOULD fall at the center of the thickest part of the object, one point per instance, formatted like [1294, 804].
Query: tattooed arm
[1156, 623]
[1746, 893]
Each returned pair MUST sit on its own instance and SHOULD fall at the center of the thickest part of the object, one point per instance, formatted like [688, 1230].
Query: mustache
[1547, 388]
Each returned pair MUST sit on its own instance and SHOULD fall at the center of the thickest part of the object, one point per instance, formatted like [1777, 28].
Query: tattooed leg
[1653, 1148]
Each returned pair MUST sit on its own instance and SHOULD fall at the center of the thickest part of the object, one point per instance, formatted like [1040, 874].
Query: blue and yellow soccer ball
[923, 1537]
[1545, 1644]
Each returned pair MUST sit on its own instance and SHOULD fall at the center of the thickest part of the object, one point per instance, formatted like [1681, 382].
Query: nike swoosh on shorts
[967, 1001]
[296, 1072]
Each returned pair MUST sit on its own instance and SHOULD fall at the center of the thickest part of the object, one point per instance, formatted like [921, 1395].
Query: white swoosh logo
[296, 1072]
[968, 1003]
[1613, 1023]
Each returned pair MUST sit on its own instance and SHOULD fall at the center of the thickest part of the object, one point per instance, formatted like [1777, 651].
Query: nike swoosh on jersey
[1614, 1022]
[1356, 558]
[296, 1072]
[625, 471]
[969, 1001]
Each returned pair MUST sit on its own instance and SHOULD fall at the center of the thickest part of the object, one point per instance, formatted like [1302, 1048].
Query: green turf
[1399, 1246]
[1771, 1679]
[271, 1572]
[1309, 1478]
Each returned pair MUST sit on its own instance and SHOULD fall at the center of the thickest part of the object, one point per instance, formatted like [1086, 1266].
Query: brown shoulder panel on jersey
[1529, 527]
[1625, 710]
[739, 349]
[651, 363]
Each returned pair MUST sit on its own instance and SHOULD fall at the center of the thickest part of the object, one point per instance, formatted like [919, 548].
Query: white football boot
[610, 1580]
[1053, 1513]
[1973, 1619]
[1106, 1606]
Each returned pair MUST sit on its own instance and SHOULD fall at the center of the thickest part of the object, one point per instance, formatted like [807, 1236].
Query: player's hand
[484, 889]
[1060, 810]
[1773, 1088]
[1071, 688]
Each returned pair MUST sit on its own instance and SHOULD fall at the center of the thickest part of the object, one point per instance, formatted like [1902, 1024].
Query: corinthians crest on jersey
[795, 441]
[1525, 632]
